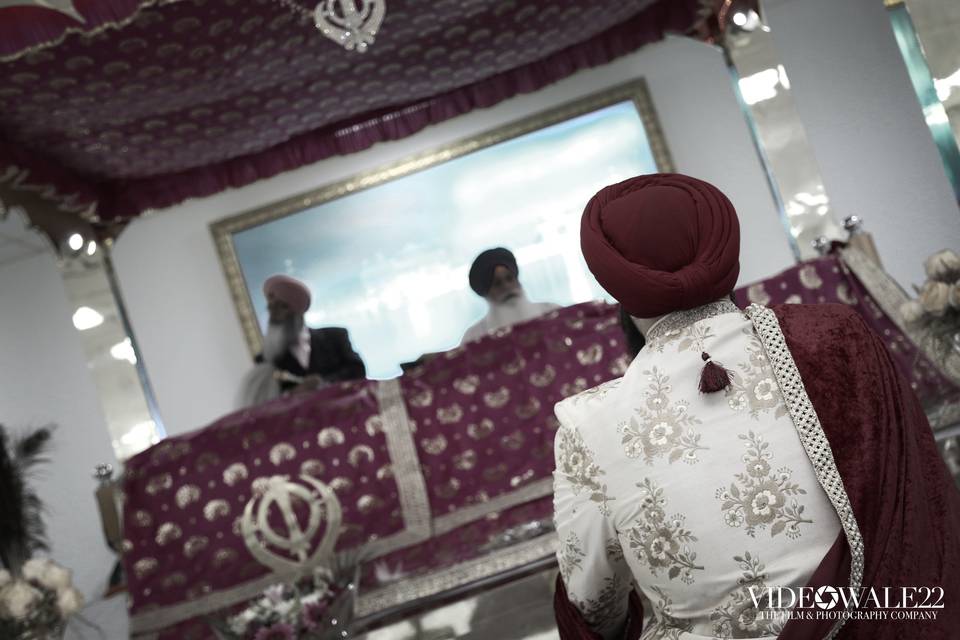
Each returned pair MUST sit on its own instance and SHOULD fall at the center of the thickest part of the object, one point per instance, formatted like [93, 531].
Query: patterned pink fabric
[184, 496]
[186, 99]
[482, 428]
[828, 279]
[484, 414]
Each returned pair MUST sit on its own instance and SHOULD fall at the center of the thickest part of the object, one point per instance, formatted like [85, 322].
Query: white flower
[738, 403]
[69, 601]
[34, 568]
[763, 503]
[943, 266]
[4, 578]
[660, 435]
[56, 577]
[274, 593]
[238, 625]
[284, 608]
[911, 311]
[935, 296]
[18, 598]
[764, 390]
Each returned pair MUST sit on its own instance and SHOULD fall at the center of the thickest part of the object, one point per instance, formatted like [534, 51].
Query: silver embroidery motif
[761, 497]
[661, 427]
[811, 434]
[575, 462]
[738, 617]
[674, 322]
[570, 556]
[608, 608]
[664, 625]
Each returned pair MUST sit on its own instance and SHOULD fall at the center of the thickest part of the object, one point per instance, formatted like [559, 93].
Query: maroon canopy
[145, 104]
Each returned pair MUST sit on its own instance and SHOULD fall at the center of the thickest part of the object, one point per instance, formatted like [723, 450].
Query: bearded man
[495, 277]
[296, 357]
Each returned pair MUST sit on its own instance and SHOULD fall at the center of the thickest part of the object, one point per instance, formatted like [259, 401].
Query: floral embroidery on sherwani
[690, 337]
[660, 542]
[759, 497]
[664, 626]
[753, 386]
[739, 617]
[575, 461]
[571, 556]
[614, 551]
[608, 608]
[661, 426]
[694, 337]
[596, 393]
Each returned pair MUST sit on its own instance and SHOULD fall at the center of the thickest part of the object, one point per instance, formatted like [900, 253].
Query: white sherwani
[694, 497]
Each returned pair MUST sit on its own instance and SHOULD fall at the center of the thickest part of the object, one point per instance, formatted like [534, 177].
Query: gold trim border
[411, 485]
[539, 489]
[812, 436]
[635, 91]
[457, 575]
[163, 617]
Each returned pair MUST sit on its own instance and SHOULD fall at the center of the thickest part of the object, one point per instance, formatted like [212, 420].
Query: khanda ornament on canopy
[348, 24]
[292, 547]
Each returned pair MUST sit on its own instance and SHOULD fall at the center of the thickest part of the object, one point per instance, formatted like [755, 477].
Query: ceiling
[161, 101]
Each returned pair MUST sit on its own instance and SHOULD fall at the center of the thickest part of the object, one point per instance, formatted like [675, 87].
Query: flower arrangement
[936, 311]
[38, 602]
[318, 608]
[37, 595]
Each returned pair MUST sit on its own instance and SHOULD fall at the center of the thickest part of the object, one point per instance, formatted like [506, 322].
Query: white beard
[517, 309]
[280, 337]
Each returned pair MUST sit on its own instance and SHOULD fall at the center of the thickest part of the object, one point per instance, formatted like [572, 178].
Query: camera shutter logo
[826, 597]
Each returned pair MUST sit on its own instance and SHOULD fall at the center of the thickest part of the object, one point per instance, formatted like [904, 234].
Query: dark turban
[662, 242]
[481, 271]
[289, 290]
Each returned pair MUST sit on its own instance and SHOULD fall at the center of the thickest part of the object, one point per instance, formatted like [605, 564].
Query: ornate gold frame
[223, 230]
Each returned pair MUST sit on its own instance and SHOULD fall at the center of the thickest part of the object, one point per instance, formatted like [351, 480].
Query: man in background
[494, 276]
[295, 357]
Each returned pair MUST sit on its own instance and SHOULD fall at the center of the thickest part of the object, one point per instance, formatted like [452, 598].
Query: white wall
[177, 296]
[43, 380]
[866, 127]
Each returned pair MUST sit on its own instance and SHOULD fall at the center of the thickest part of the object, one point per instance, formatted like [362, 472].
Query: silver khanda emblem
[297, 541]
[350, 25]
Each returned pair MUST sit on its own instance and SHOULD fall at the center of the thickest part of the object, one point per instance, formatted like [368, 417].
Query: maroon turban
[662, 242]
[288, 290]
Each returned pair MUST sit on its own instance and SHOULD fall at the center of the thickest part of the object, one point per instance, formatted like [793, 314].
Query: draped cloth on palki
[901, 495]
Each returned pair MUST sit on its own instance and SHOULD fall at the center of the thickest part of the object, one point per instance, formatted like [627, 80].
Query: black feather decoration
[22, 531]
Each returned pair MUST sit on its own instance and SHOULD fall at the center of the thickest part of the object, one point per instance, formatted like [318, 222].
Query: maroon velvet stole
[904, 500]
